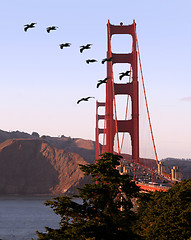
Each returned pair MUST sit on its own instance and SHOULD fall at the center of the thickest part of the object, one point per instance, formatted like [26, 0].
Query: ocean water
[20, 217]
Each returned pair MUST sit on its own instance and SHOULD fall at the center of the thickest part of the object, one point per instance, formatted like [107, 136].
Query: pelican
[62, 45]
[84, 99]
[102, 81]
[91, 61]
[123, 74]
[83, 47]
[106, 60]
[48, 29]
[27, 26]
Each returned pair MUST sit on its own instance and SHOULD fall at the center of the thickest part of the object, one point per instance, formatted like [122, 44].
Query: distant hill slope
[35, 167]
[30, 164]
[183, 164]
[15, 134]
[85, 148]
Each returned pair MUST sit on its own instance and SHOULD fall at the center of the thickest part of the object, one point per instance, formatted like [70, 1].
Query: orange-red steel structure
[150, 188]
[113, 126]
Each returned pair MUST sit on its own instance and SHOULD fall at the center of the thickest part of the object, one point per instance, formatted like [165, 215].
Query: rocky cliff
[32, 166]
[85, 148]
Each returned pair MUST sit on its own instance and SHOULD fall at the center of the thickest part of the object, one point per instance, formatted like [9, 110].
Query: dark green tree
[106, 211]
[165, 215]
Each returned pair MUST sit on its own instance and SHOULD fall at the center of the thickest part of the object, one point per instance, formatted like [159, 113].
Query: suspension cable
[126, 112]
[104, 132]
[98, 144]
[115, 109]
[144, 91]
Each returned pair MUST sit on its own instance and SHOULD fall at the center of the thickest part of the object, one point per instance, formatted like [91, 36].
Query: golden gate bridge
[112, 125]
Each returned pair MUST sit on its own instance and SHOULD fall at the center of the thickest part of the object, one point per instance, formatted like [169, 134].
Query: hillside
[84, 148]
[15, 134]
[35, 167]
[30, 164]
[184, 165]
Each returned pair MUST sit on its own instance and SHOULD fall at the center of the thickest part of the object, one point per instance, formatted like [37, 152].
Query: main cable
[144, 91]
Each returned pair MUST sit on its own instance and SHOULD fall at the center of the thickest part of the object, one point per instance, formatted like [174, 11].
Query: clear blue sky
[40, 83]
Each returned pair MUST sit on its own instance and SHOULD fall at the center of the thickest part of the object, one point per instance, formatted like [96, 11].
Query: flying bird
[62, 45]
[83, 47]
[84, 99]
[91, 61]
[123, 74]
[48, 29]
[27, 26]
[102, 81]
[106, 60]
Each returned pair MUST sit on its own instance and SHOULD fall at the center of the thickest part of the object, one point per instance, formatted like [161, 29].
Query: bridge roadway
[151, 188]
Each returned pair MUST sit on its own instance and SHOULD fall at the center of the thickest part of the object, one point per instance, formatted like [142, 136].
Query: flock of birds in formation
[82, 48]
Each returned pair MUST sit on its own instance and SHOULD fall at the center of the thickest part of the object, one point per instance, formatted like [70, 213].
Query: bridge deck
[152, 188]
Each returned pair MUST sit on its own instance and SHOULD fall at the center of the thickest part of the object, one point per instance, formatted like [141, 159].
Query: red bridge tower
[113, 126]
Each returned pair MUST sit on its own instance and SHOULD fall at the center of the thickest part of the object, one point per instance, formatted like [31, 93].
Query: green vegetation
[106, 212]
[100, 215]
[165, 215]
